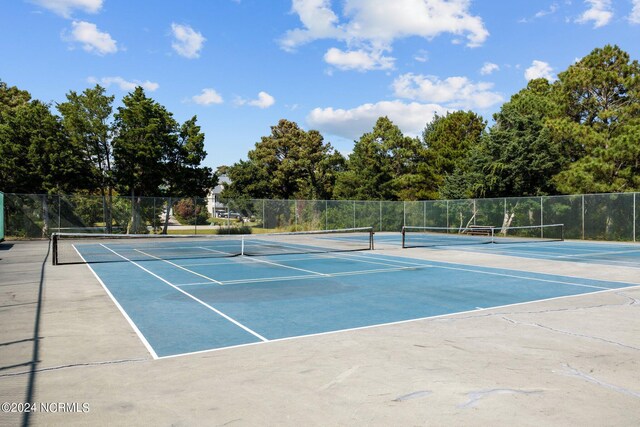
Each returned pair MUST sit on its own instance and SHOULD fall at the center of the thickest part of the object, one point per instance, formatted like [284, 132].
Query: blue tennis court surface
[188, 305]
[617, 254]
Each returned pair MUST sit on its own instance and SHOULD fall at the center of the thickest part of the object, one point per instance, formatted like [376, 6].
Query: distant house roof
[223, 180]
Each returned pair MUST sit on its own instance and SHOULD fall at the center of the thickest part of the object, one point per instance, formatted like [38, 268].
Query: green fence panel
[435, 213]
[613, 217]
[341, 214]
[392, 216]
[523, 211]
[489, 212]
[414, 214]
[609, 217]
[368, 214]
[567, 210]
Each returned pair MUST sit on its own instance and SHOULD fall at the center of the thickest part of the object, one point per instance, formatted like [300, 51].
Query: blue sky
[334, 66]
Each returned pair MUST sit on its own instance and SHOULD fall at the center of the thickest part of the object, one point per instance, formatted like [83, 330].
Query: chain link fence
[612, 217]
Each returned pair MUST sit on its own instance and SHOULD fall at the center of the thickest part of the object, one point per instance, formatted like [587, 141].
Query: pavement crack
[573, 334]
[573, 372]
[74, 365]
[475, 396]
[414, 395]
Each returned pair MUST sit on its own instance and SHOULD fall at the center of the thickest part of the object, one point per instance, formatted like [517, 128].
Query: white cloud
[539, 69]
[91, 39]
[359, 60]
[634, 17]
[318, 19]
[599, 12]
[187, 41]
[411, 118]
[541, 13]
[370, 27]
[454, 91]
[65, 8]
[552, 9]
[207, 97]
[264, 100]
[421, 56]
[123, 84]
[489, 68]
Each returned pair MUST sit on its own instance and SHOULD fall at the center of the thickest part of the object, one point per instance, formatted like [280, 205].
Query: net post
[403, 237]
[371, 232]
[242, 245]
[54, 248]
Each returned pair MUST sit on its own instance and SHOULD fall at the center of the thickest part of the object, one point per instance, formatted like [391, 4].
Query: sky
[335, 66]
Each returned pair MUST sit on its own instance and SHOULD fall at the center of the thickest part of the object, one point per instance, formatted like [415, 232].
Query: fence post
[447, 213]
[326, 215]
[404, 213]
[60, 208]
[424, 216]
[582, 217]
[635, 216]
[541, 219]
[354, 214]
[380, 215]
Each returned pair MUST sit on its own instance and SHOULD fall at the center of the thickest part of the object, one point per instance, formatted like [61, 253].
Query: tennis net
[415, 237]
[77, 248]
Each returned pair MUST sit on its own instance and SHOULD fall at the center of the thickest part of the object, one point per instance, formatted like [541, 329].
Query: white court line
[549, 257]
[175, 265]
[437, 317]
[511, 269]
[193, 284]
[599, 253]
[329, 275]
[284, 266]
[215, 310]
[515, 276]
[122, 311]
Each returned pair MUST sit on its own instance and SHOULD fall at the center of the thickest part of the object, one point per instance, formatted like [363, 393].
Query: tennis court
[186, 295]
[537, 242]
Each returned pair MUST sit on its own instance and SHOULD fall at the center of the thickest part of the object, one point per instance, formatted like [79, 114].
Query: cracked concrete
[570, 361]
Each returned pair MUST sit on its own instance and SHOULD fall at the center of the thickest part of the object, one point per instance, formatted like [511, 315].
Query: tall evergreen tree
[382, 166]
[600, 123]
[288, 163]
[145, 132]
[520, 157]
[449, 140]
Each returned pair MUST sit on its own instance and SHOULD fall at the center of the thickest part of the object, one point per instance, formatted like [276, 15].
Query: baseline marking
[509, 275]
[124, 313]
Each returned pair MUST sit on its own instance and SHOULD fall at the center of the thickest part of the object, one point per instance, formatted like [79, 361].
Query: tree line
[578, 134]
[141, 150]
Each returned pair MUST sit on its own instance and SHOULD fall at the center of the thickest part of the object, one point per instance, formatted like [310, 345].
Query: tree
[600, 123]
[184, 176]
[85, 118]
[382, 166]
[35, 155]
[289, 163]
[449, 140]
[145, 135]
[520, 156]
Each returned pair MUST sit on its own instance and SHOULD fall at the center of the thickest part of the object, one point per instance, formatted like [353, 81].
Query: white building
[214, 206]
